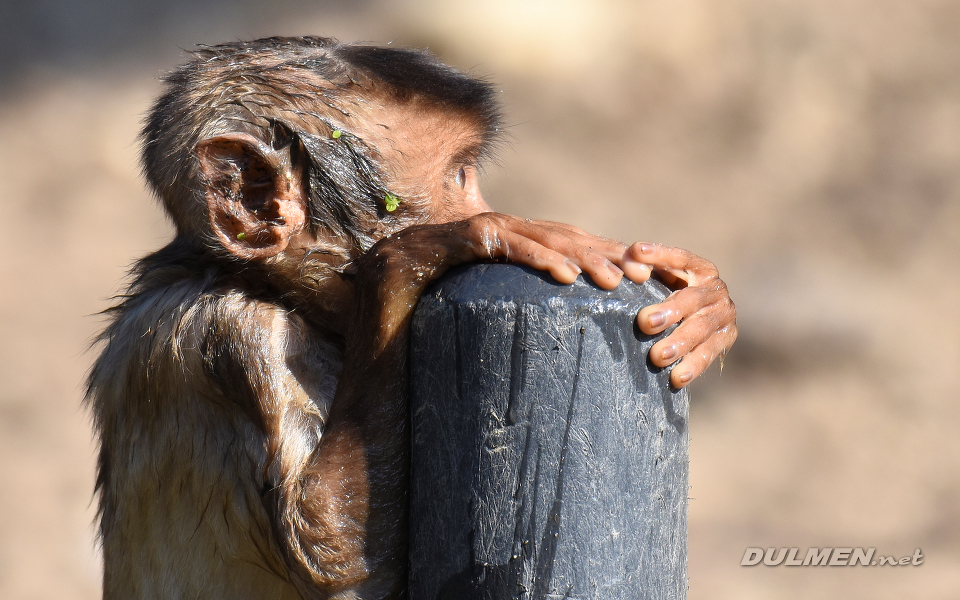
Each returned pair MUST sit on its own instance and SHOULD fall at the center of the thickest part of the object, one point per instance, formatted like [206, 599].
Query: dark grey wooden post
[549, 455]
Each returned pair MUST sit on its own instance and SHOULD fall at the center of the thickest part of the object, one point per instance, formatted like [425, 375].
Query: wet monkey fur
[249, 398]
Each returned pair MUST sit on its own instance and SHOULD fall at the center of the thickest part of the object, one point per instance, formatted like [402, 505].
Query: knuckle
[729, 308]
[707, 265]
[733, 332]
[707, 275]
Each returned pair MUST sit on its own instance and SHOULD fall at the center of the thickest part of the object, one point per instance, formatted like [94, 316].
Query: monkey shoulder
[208, 339]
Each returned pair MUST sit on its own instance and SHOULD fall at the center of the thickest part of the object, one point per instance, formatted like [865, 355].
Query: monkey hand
[700, 303]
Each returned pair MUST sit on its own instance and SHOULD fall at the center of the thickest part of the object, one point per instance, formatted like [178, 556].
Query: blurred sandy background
[811, 148]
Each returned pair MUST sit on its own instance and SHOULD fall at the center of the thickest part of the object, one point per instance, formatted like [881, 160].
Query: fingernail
[668, 353]
[685, 376]
[614, 268]
[573, 267]
[646, 248]
[657, 319]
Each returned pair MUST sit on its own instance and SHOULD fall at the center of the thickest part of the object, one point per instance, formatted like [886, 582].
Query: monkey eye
[461, 177]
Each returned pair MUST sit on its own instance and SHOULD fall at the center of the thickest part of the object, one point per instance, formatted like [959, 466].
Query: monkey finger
[691, 333]
[655, 318]
[674, 265]
[668, 257]
[604, 273]
[635, 271]
[700, 358]
[590, 253]
[692, 366]
[616, 252]
[680, 304]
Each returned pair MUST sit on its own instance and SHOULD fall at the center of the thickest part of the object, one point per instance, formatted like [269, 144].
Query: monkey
[249, 398]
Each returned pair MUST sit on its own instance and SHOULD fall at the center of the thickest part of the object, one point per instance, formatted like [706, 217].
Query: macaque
[250, 398]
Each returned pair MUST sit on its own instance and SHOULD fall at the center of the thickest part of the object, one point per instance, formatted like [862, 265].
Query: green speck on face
[336, 134]
[241, 236]
[391, 202]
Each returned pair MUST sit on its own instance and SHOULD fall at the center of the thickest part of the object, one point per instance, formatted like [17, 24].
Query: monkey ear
[255, 194]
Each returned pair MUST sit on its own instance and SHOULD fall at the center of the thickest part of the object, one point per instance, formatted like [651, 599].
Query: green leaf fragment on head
[336, 134]
[241, 236]
[391, 202]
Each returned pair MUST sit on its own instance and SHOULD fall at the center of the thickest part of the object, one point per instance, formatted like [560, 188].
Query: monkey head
[300, 153]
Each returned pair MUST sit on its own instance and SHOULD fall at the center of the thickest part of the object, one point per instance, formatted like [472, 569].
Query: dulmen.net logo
[827, 557]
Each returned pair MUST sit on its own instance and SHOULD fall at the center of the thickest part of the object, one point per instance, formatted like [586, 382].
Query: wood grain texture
[549, 456]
